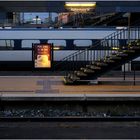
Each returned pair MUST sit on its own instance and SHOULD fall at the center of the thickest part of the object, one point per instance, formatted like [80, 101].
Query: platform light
[80, 4]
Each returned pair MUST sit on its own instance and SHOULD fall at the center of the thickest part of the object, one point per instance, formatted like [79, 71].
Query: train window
[58, 43]
[6, 44]
[82, 43]
[28, 43]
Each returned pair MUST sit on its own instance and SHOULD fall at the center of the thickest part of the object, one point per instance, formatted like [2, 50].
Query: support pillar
[17, 44]
[69, 44]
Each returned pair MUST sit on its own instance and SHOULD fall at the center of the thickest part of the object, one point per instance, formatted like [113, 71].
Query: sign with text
[42, 55]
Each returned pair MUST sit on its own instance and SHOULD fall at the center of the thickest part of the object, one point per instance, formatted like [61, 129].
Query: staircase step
[114, 53]
[122, 54]
[67, 80]
[135, 47]
[99, 63]
[87, 70]
[109, 61]
[80, 73]
[119, 54]
[82, 69]
[129, 51]
[93, 67]
[74, 77]
[115, 57]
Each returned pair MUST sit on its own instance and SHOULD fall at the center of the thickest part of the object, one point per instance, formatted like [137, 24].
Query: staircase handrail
[96, 44]
[111, 16]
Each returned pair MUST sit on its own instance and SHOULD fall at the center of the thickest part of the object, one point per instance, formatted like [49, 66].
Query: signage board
[42, 55]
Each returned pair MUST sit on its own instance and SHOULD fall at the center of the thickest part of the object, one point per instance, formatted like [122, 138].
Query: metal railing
[108, 19]
[101, 50]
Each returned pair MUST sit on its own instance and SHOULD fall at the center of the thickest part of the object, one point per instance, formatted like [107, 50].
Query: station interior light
[80, 4]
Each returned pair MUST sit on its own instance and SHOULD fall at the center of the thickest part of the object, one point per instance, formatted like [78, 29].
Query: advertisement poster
[42, 55]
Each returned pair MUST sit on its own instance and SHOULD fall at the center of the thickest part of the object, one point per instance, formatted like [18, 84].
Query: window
[28, 43]
[6, 44]
[82, 43]
[58, 43]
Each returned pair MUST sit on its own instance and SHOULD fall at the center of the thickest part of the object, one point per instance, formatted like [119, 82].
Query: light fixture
[80, 6]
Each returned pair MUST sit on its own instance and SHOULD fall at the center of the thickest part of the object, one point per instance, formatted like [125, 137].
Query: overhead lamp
[80, 4]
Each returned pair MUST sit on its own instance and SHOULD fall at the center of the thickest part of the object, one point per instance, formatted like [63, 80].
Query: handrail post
[134, 78]
[129, 22]
[124, 73]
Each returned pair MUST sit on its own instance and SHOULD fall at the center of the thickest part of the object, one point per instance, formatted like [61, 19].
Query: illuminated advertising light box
[42, 55]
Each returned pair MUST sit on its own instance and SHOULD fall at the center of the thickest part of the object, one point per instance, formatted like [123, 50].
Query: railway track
[70, 111]
[71, 119]
[107, 120]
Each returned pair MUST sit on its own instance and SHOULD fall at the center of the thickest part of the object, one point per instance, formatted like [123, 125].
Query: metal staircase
[108, 19]
[111, 52]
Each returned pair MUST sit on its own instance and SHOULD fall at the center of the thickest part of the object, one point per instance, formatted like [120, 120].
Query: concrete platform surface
[69, 97]
[52, 86]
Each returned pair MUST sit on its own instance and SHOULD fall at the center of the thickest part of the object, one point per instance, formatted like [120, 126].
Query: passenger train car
[16, 44]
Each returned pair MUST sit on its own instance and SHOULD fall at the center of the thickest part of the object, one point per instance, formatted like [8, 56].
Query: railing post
[129, 20]
[72, 63]
[124, 73]
[134, 78]
[138, 33]
[94, 53]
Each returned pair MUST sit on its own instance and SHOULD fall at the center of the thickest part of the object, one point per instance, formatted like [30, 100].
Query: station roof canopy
[59, 5]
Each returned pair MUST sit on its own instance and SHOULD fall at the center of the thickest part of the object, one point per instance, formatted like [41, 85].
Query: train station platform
[52, 88]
